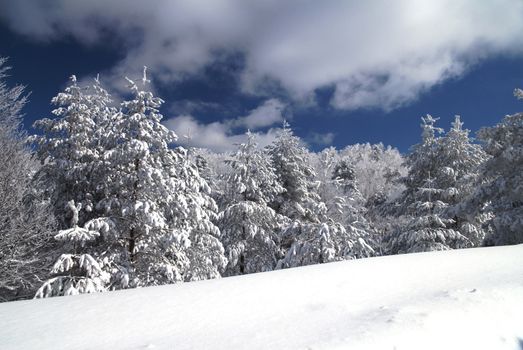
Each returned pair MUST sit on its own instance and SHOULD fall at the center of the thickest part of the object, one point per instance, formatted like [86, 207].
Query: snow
[461, 299]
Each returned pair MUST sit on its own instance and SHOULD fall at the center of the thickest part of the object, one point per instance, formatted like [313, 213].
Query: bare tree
[26, 221]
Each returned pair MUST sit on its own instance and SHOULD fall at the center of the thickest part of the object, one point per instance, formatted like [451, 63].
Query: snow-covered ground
[466, 299]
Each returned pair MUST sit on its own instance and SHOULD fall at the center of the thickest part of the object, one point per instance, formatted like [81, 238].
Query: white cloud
[214, 136]
[376, 53]
[321, 139]
[269, 113]
[221, 136]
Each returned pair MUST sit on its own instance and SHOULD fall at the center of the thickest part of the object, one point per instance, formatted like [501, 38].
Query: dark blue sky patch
[482, 96]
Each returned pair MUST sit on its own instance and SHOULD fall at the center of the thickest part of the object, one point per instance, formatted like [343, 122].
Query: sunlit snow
[462, 299]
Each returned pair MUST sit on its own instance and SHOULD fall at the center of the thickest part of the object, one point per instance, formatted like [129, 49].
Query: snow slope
[466, 299]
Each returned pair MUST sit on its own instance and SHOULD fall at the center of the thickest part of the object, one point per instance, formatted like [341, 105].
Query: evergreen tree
[425, 203]
[376, 170]
[338, 189]
[158, 201]
[139, 213]
[326, 233]
[501, 179]
[249, 226]
[77, 272]
[72, 149]
[421, 162]
[292, 166]
[428, 229]
[460, 161]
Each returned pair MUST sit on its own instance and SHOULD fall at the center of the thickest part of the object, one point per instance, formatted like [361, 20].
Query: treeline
[103, 200]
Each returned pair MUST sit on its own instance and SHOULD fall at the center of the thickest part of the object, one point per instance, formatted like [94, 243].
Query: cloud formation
[225, 135]
[376, 53]
[321, 139]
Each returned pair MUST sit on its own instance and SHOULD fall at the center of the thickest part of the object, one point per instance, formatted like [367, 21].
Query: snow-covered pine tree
[206, 253]
[427, 230]
[460, 161]
[315, 234]
[421, 162]
[291, 162]
[77, 272]
[249, 226]
[353, 217]
[338, 189]
[502, 179]
[214, 169]
[157, 201]
[72, 148]
[424, 201]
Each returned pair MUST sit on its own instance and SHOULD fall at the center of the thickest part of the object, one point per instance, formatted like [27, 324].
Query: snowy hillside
[463, 299]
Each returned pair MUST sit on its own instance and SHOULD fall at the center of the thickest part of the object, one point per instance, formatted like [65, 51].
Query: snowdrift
[466, 299]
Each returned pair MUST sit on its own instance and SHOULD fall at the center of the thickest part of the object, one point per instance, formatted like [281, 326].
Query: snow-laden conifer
[249, 226]
[502, 179]
[460, 165]
[421, 161]
[292, 165]
[141, 210]
[429, 189]
[331, 230]
[428, 229]
[72, 148]
[157, 201]
[77, 272]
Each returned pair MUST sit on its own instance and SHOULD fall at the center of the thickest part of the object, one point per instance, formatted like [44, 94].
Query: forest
[101, 198]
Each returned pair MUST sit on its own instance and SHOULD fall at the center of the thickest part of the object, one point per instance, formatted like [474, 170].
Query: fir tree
[328, 233]
[421, 161]
[249, 226]
[291, 163]
[143, 215]
[425, 202]
[72, 150]
[501, 177]
[158, 201]
[460, 161]
[427, 230]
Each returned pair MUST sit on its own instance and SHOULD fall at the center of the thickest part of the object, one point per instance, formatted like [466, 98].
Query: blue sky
[341, 72]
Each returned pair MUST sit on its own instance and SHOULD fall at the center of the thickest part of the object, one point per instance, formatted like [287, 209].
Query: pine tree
[326, 233]
[460, 161]
[158, 201]
[67, 149]
[427, 230]
[421, 161]
[425, 202]
[142, 215]
[249, 226]
[291, 163]
[77, 272]
[501, 179]
[72, 148]
[206, 253]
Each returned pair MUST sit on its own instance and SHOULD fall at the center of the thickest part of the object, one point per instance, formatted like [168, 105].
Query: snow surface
[463, 299]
